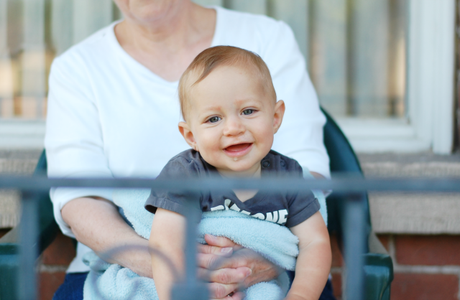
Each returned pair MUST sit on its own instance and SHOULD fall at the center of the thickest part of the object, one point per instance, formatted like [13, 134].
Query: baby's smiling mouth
[238, 148]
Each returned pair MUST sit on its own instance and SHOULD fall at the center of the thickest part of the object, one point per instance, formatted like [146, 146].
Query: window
[383, 68]
[400, 76]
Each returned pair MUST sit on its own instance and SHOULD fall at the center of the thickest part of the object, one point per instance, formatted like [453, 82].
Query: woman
[113, 112]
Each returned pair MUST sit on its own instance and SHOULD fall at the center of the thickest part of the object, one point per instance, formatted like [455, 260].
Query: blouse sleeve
[301, 133]
[73, 140]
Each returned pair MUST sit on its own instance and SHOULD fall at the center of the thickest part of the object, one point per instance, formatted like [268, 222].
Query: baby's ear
[278, 115]
[184, 129]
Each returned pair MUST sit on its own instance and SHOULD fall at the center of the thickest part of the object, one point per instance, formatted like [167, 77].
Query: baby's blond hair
[214, 57]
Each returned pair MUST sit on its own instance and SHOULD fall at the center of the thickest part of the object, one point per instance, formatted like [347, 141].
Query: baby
[231, 114]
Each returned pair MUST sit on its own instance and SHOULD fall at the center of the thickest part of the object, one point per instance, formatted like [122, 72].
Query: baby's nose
[233, 126]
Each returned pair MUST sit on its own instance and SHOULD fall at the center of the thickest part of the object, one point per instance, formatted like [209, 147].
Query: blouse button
[265, 164]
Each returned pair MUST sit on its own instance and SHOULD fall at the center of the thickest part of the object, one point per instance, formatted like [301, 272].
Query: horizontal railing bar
[348, 184]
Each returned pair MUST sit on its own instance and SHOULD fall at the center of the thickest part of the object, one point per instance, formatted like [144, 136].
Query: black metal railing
[354, 237]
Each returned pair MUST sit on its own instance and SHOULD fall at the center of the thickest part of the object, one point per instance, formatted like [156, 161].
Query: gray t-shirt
[289, 209]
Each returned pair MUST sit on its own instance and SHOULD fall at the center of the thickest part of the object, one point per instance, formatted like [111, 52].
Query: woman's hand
[236, 266]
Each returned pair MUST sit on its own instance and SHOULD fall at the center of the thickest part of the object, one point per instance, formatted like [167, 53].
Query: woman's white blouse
[109, 116]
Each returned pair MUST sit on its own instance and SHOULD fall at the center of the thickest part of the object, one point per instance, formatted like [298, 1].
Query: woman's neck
[167, 45]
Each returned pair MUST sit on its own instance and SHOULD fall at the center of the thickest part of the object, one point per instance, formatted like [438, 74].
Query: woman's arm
[314, 260]
[75, 148]
[96, 223]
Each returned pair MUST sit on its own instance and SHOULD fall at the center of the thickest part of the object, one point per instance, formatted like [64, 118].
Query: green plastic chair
[378, 265]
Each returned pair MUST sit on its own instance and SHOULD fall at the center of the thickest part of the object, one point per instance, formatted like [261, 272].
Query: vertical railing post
[28, 232]
[354, 240]
[190, 287]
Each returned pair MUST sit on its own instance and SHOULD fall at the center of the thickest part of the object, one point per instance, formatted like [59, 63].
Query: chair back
[343, 161]
[48, 227]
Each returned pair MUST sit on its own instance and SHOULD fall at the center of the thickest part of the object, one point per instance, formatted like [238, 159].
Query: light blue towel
[275, 242]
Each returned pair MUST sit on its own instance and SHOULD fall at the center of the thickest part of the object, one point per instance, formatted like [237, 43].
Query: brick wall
[52, 265]
[427, 267]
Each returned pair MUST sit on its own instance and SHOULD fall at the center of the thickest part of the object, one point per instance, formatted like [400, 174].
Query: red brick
[60, 252]
[428, 250]
[49, 283]
[337, 258]
[385, 240]
[337, 285]
[424, 287]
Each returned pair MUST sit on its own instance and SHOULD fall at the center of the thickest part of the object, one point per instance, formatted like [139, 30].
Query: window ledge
[385, 135]
[22, 134]
[413, 213]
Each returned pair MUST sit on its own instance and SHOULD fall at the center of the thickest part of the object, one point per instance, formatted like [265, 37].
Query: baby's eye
[214, 119]
[248, 111]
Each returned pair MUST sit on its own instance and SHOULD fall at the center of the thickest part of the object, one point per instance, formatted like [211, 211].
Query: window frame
[429, 91]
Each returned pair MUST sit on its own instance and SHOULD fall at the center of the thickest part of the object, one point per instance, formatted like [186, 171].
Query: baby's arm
[314, 260]
[167, 236]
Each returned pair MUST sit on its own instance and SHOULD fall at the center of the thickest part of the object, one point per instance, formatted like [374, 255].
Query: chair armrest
[374, 244]
[378, 272]
[9, 261]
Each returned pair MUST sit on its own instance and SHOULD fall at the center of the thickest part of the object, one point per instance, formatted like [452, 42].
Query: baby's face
[231, 120]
